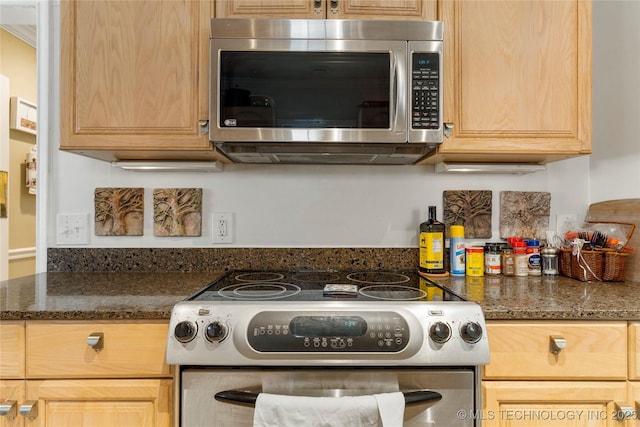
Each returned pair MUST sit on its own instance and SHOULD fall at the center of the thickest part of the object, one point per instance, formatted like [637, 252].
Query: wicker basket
[593, 265]
[597, 264]
[614, 263]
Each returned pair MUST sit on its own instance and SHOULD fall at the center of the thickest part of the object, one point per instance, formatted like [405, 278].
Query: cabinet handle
[317, 6]
[96, 340]
[204, 127]
[447, 129]
[333, 4]
[8, 408]
[29, 409]
[624, 411]
[558, 343]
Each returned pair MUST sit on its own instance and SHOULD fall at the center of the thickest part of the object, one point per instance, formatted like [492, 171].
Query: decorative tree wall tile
[470, 208]
[177, 212]
[524, 214]
[119, 211]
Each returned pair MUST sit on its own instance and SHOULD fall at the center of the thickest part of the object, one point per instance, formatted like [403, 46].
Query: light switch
[72, 229]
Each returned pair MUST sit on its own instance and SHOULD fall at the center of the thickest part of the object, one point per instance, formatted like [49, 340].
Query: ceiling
[20, 19]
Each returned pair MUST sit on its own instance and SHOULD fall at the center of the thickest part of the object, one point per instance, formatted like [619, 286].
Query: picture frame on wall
[4, 193]
[23, 115]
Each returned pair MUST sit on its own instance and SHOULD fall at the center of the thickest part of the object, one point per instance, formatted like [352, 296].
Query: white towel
[378, 410]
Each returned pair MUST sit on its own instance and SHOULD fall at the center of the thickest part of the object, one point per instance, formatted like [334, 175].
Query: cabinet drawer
[130, 349]
[524, 350]
[11, 350]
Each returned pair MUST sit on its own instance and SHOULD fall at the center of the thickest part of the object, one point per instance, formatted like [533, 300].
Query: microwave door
[309, 91]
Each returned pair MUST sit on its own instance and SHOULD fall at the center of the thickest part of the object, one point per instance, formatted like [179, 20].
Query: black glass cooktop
[328, 285]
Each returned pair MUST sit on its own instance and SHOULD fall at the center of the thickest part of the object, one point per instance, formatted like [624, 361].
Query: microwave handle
[248, 398]
[394, 84]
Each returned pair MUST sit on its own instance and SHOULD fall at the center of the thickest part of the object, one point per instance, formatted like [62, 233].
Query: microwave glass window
[305, 89]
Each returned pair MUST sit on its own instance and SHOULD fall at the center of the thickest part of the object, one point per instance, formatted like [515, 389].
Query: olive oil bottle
[431, 242]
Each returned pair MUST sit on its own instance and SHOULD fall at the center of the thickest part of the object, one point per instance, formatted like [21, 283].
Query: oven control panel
[341, 333]
[311, 332]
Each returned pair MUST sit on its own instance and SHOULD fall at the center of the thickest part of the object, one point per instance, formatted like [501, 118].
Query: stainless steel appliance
[327, 333]
[326, 91]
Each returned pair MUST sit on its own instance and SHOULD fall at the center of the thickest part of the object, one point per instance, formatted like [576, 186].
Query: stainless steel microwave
[326, 91]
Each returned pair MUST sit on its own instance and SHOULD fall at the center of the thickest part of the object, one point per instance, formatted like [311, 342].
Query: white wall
[615, 162]
[300, 206]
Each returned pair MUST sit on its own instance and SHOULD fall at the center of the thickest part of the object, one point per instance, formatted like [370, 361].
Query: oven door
[456, 408]
[275, 90]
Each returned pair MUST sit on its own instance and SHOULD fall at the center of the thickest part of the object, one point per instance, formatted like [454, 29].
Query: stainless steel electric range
[327, 333]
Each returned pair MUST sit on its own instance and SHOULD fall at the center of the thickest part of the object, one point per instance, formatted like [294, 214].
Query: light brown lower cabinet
[12, 393]
[561, 373]
[553, 403]
[85, 374]
[100, 403]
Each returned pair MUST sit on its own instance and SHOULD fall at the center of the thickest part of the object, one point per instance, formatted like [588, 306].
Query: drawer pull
[624, 411]
[8, 408]
[558, 343]
[96, 340]
[29, 409]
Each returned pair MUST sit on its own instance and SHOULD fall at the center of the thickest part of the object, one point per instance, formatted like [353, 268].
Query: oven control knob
[471, 332]
[440, 332]
[215, 332]
[185, 331]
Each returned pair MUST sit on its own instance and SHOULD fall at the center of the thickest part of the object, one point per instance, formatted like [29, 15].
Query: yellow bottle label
[431, 250]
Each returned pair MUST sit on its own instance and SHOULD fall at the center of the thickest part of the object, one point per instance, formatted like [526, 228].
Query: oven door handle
[248, 398]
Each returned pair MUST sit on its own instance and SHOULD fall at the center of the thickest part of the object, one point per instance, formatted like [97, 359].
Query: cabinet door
[101, 403]
[12, 391]
[382, 9]
[633, 403]
[634, 351]
[303, 9]
[332, 9]
[551, 403]
[134, 78]
[11, 350]
[517, 80]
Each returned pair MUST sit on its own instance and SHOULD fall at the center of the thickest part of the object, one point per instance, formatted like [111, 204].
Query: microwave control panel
[425, 83]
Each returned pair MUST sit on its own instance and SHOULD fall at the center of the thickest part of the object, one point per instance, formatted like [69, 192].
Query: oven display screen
[328, 326]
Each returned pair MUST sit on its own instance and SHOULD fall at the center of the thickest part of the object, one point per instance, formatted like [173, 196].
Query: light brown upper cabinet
[517, 80]
[327, 9]
[134, 79]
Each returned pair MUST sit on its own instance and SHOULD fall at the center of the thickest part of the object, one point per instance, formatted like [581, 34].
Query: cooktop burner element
[393, 293]
[253, 291]
[259, 276]
[378, 277]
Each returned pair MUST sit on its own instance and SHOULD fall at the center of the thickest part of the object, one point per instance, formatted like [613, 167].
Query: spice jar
[520, 255]
[475, 261]
[549, 256]
[508, 262]
[533, 257]
[492, 261]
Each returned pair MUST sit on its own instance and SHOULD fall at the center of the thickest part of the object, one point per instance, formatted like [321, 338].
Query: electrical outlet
[223, 227]
[72, 229]
[562, 218]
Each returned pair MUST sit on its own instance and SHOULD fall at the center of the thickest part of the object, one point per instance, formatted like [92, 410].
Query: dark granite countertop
[97, 296]
[549, 298]
[105, 296]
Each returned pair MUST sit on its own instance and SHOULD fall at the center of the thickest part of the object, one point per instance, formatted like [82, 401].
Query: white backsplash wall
[615, 162]
[305, 206]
